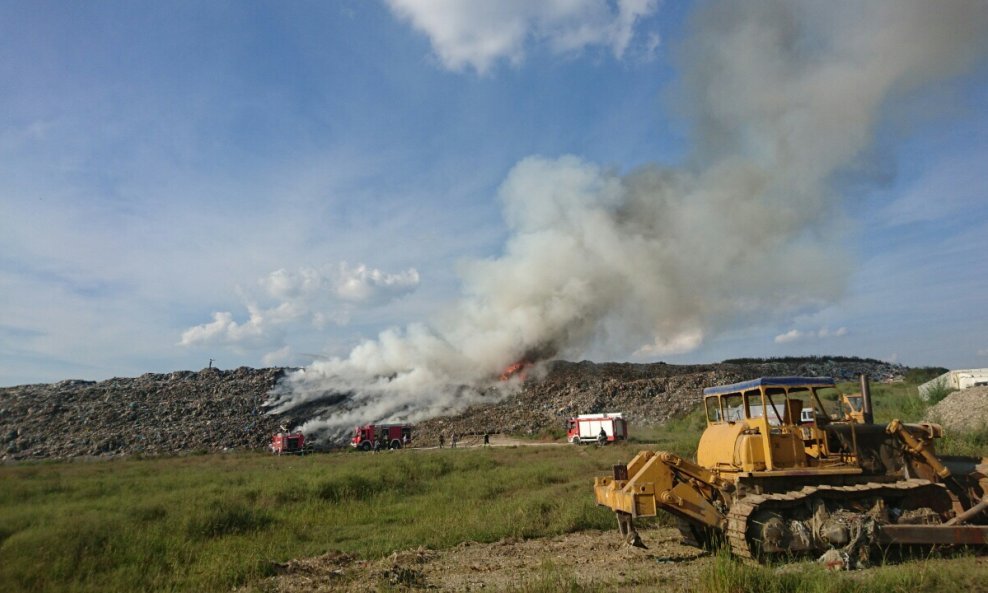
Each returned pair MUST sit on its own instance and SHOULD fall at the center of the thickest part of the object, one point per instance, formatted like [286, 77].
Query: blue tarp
[770, 382]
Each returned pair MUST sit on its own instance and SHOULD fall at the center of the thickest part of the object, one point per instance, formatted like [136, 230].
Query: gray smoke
[781, 97]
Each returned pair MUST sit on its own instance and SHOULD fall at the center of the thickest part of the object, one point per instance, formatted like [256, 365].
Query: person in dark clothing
[442, 441]
[487, 440]
[602, 438]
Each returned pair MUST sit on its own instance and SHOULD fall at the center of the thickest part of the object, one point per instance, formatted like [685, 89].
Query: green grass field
[212, 523]
[208, 523]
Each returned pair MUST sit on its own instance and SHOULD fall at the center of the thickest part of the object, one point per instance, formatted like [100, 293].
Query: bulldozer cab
[776, 406]
[852, 408]
[758, 425]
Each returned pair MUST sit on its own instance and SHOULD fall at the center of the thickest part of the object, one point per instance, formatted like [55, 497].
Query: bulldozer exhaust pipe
[868, 413]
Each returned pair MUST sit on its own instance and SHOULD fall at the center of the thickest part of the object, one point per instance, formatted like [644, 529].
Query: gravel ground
[962, 410]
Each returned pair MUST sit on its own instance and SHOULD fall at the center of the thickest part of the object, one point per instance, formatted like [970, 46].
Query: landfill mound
[646, 394]
[962, 410]
[154, 414]
[217, 410]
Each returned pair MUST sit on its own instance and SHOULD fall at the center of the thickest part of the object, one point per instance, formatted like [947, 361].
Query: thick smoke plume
[781, 97]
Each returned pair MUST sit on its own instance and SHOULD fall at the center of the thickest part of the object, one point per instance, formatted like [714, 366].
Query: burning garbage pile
[647, 394]
[215, 410]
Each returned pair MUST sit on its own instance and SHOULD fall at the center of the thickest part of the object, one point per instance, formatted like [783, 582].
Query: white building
[956, 380]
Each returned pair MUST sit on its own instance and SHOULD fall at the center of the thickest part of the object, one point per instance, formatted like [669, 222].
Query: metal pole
[868, 413]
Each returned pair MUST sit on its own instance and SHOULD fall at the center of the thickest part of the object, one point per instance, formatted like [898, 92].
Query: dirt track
[500, 440]
[587, 557]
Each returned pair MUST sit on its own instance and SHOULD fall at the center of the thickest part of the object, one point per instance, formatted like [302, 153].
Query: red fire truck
[586, 428]
[392, 436]
[285, 442]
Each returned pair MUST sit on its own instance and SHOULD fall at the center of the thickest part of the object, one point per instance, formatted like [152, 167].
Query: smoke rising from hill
[781, 96]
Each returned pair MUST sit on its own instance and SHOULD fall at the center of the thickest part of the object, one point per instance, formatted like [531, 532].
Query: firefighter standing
[442, 441]
[601, 438]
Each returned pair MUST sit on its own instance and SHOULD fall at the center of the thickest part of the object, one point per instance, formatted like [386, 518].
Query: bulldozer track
[742, 510]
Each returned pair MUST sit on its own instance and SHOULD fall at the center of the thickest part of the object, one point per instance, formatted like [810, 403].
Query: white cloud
[279, 357]
[686, 341]
[795, 335]
[368, 285]
[790, 336]
[825, 332]
[256, 331]
[308, 296]
[478, 34]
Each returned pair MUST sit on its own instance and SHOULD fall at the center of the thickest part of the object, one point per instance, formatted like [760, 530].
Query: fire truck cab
[392, 436]
[290, 443]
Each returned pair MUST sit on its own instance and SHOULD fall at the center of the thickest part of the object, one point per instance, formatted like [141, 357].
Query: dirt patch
[587, 557]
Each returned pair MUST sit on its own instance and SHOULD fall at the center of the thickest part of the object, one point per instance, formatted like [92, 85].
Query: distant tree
[920, 375]
[801, 360]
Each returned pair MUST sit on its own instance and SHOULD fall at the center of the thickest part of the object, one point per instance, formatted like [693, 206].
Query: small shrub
[5, 532]
[227, 519]
[553, 433]
[149, 513]
[76, 546]
[534, 519]
[291, 493]
[972, 443]
[492, 491]
[921, 375]
[548, 479]
[587, 516]
[349, 488]
[471, 463]
[936, 392]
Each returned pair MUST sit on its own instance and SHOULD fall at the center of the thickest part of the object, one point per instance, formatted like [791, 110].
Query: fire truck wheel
[365, 446]
[396, 444]
[576, 440]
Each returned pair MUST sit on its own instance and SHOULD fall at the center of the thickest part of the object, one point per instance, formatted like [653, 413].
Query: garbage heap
[217, 410]
[154, 414]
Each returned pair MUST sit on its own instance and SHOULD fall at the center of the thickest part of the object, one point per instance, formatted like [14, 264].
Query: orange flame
[517, 368]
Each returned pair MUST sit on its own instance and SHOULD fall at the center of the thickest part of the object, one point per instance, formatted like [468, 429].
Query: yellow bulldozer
[770, 479]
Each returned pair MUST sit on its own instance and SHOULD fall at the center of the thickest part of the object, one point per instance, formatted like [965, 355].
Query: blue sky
[274, 183]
